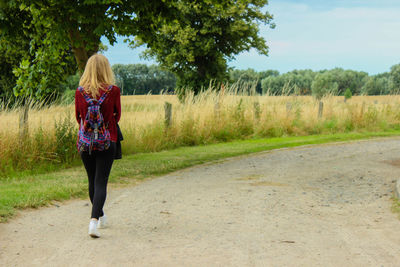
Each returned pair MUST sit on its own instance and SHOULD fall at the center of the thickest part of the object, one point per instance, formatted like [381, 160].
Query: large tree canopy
[81, 24]
[57, 30]
[13, 46]
[203, 35]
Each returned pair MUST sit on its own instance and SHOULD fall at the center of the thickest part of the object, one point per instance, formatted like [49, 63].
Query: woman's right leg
[104, 161]
[89, 161]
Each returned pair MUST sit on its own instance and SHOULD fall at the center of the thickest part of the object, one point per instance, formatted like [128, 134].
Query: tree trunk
[80, 53]
[201, 70]
[23, 122]
[201, 73]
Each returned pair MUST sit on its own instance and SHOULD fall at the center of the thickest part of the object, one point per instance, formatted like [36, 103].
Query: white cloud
[362, 37]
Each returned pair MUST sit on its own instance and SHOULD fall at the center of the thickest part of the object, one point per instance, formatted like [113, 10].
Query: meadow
[211, 117]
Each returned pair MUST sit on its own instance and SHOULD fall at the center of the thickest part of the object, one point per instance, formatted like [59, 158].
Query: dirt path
[325, 205]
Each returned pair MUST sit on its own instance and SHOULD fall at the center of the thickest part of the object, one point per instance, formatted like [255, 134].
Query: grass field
[44, 166]
[208, 118]
[32, 191]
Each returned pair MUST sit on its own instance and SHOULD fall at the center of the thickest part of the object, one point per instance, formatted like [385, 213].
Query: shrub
[348, 94]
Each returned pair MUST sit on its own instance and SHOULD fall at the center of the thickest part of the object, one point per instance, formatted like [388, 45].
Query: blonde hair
[97, 73]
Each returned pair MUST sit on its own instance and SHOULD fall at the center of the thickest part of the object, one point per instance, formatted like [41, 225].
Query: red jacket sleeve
[117, 105]
[77, 113]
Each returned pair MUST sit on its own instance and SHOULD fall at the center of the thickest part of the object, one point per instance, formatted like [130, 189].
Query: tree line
[143, 79]
[318, 83]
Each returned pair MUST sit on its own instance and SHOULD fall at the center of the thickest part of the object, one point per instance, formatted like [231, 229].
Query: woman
[98, 79]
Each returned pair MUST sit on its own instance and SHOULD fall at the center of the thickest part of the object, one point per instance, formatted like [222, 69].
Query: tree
[143, 79]
[38, 64]
[354, 80]
[250, 76]
[375, 85]
[8, 60]
[203, 35]
[58, 30]
[82, 23]
[337, 80]
[324, 84]
[13, 47]
[347, 94]
[161, 80]
[273, 85]
[394, 79]
[297, 81]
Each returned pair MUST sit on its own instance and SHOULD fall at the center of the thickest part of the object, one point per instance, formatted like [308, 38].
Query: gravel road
[325, 205]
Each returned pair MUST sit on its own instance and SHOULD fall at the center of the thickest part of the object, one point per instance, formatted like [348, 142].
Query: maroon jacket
[110, 108]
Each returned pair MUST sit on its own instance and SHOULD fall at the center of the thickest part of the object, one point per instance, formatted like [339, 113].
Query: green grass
[396, 206]
[32, 191]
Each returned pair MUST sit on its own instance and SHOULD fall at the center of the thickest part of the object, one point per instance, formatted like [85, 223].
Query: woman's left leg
[104, 161]
[89, 161]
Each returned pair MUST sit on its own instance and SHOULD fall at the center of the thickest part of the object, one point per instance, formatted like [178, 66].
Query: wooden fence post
[320, 109]
[23, 122]
[168, 114]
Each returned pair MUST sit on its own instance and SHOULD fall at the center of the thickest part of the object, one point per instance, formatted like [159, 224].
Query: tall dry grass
[209, 117]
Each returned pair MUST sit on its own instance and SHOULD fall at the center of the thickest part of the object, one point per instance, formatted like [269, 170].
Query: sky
[361, 35]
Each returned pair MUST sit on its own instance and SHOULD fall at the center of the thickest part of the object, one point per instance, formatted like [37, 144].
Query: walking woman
[97, 110]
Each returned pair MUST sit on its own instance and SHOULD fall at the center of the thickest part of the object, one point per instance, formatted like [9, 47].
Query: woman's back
[110, 108]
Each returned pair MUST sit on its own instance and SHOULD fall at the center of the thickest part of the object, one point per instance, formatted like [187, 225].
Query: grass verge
[396, 206]
[33, 191]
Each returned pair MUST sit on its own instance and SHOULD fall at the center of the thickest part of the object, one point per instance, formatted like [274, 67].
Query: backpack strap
[91, 101]
[105, 94]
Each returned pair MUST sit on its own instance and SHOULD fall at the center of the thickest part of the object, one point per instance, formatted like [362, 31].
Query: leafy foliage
[394, 80]
[203, 35]
[324, 83]
[13, 47]
[42, 59]
[68, 88]
[143, 79]
[297, 82]
[55, 33]
[376, 85]
[193, 39]
[251, 76]
[347, 93]
[336, 81]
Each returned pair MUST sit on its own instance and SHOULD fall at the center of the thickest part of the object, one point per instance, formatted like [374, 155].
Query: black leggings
[98, 166]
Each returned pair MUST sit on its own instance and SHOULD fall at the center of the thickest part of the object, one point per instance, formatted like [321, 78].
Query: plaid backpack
[93, 134]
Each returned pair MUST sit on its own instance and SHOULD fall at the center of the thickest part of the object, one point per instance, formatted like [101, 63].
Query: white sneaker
[102, 222]
[93, 232]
